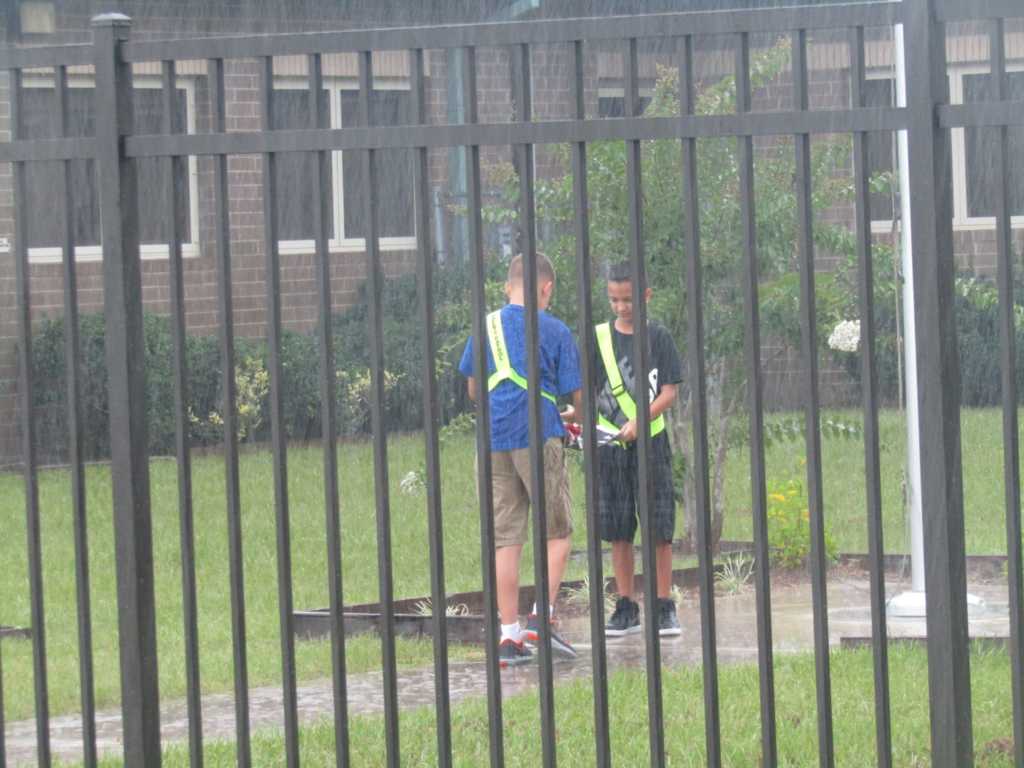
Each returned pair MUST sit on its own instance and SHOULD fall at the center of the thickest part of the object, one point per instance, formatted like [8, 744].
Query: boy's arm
[575, 410]
[471, 387]
[661, 403]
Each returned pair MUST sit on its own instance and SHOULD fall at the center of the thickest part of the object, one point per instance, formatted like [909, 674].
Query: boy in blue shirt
[510, 461]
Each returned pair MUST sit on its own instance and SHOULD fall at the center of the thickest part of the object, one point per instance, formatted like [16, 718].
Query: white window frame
[338, 243]
[147, 251]
[612, 88]
[962, 220]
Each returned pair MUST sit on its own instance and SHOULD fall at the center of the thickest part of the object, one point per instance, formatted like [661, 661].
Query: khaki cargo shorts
[510, 479]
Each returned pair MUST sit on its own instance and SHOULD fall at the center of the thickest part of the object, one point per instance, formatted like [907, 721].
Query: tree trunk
[720, 411]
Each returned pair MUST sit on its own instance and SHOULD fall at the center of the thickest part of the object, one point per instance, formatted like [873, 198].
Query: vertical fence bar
[812, 416]
[1008, 360]
[172, 166]
[3, 727]
[278, 437]
[483, 423]
[236, 576]
[122, 293]
[319, 118]
[869, 385]
[522, 97]
[431, 417]
[752, 335]
[483, 417]
[375, 281]
[938, 368]
[698, 384]
[72, 357]
[28, 435]
[588, 421]
[641, 354]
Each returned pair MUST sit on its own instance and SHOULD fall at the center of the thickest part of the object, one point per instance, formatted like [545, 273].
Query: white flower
[845, 336]
[412, 483]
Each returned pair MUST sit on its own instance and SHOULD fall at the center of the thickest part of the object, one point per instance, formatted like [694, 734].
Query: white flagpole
[912, 602]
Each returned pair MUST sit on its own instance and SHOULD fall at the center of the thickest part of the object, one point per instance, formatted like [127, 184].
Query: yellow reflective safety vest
[603, 333]
[502, 365]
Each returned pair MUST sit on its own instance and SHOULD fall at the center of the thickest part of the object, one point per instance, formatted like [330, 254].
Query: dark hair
[545, 270]
[620, 273]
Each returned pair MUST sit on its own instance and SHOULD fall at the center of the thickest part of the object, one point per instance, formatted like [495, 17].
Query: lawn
[853, 718]
[843, 491]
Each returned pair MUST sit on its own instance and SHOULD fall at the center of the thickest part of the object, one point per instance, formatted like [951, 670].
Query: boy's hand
[628, 432]
[569, 414]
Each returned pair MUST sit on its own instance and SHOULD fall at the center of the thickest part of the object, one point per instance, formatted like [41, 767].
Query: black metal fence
[928, 118]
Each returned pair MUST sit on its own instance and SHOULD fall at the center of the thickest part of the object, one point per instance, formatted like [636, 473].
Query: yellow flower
[776, 497]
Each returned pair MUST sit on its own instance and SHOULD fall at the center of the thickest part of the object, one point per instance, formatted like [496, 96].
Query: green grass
[844, 498]
[853, 718]
[843, 484]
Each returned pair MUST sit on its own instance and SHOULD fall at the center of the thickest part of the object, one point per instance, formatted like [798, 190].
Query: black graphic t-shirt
[665, 368]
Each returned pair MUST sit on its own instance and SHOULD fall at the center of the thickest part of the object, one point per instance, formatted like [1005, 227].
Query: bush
[403, 350]
[300, 363]
[49, 396]
[789, 526]
[976, 303]
[300, 370]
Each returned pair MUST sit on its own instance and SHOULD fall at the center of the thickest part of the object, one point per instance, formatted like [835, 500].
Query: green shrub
[976, 302]
[300, 364]
[49, 396]
[789, 526]
[403, 350]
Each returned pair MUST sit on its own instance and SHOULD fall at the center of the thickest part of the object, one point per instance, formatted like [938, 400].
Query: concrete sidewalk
[792, 632]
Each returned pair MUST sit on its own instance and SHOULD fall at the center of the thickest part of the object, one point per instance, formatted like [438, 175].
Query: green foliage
[789, 527]
[300, 370]
[735, 573]
[786, 427]
[49, 396]
[976, 303]
[720, 219]
[403, 346]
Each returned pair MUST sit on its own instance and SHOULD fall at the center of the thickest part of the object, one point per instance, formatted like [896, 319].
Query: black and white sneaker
[559, 644]
[511, 653]
[668, 619]
[625, 619]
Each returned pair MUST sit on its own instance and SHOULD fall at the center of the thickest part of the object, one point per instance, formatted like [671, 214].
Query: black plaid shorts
[618, 515]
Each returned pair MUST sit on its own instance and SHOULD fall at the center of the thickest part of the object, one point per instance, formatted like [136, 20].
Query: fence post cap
[111, 20]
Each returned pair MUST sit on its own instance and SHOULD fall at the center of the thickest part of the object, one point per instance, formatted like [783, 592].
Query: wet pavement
[792, 632]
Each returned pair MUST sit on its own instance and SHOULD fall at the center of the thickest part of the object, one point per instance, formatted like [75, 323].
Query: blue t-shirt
[559, 375]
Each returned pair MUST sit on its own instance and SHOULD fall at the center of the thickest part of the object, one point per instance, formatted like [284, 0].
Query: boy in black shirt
[617, 456]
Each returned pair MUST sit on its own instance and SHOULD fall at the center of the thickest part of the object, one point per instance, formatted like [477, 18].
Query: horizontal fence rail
[117, 154]
[546, 32]
[482, 134]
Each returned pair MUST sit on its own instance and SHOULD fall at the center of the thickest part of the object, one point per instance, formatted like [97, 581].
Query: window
[879, 92]
[44, 181]
[981, 175]
[390, 104]
[611, 98]
[294, 169]
[974, 175]
[615, 106]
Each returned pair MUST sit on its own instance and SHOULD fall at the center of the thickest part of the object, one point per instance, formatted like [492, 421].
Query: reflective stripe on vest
[626, 403]
[502, 366]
